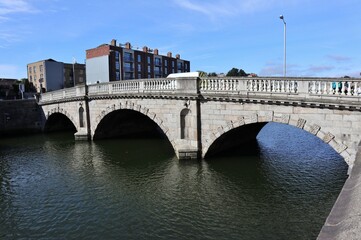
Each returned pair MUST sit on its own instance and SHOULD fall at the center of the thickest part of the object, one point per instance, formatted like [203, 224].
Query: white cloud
[15, 6]
[338, 58]
[224, 8]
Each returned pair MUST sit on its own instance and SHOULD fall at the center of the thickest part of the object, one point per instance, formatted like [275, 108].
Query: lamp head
[281, 17]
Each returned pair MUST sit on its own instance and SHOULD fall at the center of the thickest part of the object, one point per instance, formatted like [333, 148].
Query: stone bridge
[202, 116]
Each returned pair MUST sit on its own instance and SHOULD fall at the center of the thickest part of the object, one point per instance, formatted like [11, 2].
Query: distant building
[109, 62]
[48, 75]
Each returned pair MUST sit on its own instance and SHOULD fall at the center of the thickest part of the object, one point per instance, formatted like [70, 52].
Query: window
[139, 75]
[149, 69]
[128, 57]
[139, 67]
[148, 59]
[128, 67]
[41, 68]
[34, 69]
[128, 75]
[81, 79]
[117, 54]
[165, 62]
[117, 76]
[117, 65]
[157, 61]
[29, 69]
[157, 70]
[180, 65]
[139, 58]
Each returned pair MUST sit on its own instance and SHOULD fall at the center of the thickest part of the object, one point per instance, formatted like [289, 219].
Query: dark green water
[55, 188]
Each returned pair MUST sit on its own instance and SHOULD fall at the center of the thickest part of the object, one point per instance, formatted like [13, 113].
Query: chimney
[169, 54]
[177, 56]
[145, 49]
[127, 45]
[156, 52]
[113, 42]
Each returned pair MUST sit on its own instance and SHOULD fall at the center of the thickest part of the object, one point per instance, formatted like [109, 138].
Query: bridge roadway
[204, 116]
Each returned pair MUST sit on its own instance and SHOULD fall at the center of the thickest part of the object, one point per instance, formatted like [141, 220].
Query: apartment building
[112, 62]
[49, 75]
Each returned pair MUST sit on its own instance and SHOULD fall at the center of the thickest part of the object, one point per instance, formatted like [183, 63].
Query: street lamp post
[284, 45]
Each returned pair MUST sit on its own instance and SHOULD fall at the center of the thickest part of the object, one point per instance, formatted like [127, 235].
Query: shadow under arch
[232, 140]
[58, 122]
[215, 146]
[127, 123]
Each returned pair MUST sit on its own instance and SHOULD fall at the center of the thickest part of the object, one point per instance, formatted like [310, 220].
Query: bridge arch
[257, 122]
[59, 120]
[131, 107]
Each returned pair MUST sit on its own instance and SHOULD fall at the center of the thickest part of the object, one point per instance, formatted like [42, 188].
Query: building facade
[49, 75]
[112, 62]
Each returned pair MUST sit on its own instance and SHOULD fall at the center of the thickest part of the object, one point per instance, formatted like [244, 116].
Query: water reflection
[52, 187]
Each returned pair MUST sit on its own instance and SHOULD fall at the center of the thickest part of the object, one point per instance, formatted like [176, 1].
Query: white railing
[134, 86]
[304, 87]
[66, 93]
[336, 87]
[248, 85]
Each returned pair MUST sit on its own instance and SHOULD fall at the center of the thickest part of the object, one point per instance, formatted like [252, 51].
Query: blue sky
[323, 36]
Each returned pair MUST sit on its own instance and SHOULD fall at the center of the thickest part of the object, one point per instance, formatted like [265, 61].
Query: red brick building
[112, 62]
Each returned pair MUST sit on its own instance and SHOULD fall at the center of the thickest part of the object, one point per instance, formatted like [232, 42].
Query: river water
[55, 188]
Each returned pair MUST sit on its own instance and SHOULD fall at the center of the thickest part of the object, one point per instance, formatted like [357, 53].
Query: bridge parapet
[300, 86]
[308, 89]
[66, 93]
[134, 86]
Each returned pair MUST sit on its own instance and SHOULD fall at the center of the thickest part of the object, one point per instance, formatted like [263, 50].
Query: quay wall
[19, 117]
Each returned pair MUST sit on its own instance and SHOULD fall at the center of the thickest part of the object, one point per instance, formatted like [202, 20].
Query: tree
[213, 74]
[234, 72]
[242, 73]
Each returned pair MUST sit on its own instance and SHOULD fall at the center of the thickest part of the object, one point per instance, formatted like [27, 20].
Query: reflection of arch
[314, 129]
[81, 117]
[184, 124]
[143, 110]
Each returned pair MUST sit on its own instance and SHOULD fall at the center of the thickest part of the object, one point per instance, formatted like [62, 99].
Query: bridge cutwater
[201, 116]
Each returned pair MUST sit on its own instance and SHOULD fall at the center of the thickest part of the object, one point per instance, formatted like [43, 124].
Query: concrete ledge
[344, 221]
[79, 136]
[184, 154]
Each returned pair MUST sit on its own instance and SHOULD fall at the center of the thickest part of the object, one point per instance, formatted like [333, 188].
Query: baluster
[318, 87]
[312, 87]
[268, 85]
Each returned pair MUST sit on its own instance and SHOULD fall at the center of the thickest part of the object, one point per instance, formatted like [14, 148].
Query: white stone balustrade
[229, 85]
[133, 86]
[346, 87]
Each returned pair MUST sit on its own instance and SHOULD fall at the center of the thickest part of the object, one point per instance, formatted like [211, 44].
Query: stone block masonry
[19, 117]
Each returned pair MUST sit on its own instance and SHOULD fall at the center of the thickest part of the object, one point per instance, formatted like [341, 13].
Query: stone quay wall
[19, 117]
